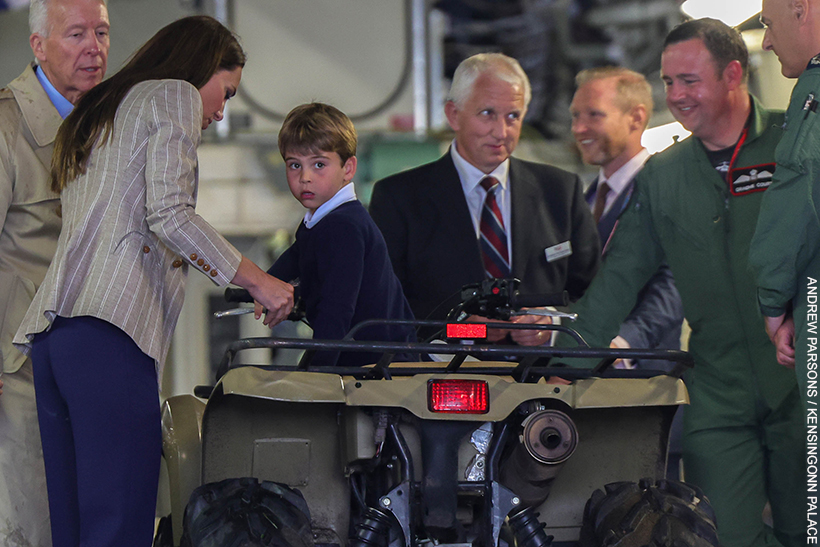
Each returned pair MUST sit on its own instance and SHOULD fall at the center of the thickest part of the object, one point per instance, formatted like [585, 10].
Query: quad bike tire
[666, 514]
[244, 512]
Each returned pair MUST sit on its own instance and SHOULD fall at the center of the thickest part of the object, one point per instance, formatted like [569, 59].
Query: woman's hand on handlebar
[274, 299]
[268, 292]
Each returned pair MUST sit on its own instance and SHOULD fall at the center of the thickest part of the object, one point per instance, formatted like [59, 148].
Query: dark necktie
[494, 251]
[600, 201]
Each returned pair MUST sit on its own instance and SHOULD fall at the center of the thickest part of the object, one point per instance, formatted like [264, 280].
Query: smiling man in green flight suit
[695, 205]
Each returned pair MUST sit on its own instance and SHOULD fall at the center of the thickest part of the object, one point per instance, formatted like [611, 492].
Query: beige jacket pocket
[16, 294]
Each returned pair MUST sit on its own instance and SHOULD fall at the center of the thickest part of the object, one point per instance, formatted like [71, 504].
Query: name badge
[747, 180]
[558, 251]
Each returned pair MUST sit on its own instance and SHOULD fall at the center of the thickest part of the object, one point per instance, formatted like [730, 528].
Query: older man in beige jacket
[31, 109]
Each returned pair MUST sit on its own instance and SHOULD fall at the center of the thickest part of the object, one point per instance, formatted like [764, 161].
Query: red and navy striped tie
[494, 251]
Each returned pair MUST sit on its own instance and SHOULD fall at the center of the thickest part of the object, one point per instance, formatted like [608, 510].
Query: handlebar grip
[539, 300]
[237, 295]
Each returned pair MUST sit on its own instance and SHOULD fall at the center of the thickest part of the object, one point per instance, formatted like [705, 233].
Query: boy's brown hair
[318, 127]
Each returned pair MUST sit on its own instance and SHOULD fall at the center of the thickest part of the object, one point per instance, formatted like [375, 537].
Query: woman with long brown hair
[99, 327]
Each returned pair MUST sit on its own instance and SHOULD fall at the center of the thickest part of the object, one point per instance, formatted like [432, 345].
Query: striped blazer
[129, 227]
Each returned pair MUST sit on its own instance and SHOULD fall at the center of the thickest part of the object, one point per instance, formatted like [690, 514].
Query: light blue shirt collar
[63, 106]
[345, 194]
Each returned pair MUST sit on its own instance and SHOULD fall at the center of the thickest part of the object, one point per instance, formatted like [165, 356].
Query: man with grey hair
[478, 213]
[610, 111]
[69, 39]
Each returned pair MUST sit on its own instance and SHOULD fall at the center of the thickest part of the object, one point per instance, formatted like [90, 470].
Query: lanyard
[735, 153]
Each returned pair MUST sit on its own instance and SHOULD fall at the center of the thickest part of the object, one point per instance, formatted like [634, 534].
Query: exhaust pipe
[548, 439]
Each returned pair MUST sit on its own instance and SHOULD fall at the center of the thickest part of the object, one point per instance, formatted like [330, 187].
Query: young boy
[340, 257]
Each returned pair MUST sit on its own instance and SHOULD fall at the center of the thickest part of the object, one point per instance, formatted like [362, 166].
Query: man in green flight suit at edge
[785, 252]
[695, 205]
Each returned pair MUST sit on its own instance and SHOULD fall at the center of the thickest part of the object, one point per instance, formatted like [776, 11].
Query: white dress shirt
[471, 177]
[622, 177]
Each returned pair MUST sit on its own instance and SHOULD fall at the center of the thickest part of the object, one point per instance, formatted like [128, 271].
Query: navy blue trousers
[99, 414]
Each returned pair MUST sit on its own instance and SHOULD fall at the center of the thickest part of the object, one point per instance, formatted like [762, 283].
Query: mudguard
[182, 449]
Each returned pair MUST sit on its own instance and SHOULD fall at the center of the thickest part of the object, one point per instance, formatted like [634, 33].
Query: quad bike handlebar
[297, 313]
[500, 299]
[494, 298]
[237, 295]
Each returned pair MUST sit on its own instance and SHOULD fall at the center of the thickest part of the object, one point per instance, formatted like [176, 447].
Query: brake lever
[545, 313]
[232, 312]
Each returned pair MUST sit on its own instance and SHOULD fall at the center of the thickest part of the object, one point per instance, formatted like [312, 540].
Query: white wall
[236, 195]
[767, 82]
[349, 54]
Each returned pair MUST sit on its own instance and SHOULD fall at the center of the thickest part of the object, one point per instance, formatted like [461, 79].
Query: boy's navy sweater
[345, 277]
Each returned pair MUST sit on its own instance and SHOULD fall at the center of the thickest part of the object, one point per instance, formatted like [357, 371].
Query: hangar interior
[386, 63]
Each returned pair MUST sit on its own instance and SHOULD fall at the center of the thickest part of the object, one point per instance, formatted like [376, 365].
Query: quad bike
[513, 448]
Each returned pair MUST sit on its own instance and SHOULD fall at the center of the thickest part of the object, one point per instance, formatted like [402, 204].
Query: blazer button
[213, 273]
[194, 256]
[177, 263]
[206, 267]
[200, 262]
[146, 249]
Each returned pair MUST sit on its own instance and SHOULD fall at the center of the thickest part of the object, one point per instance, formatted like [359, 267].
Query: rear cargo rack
[523, 363]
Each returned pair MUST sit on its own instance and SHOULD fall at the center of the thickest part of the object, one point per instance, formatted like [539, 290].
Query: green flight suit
[785, 251]
[742, 431]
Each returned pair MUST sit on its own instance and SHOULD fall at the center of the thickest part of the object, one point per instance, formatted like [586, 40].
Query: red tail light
[458, 396]
[466, 331]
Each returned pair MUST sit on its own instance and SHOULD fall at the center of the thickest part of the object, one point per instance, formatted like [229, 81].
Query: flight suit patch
[747, 180]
